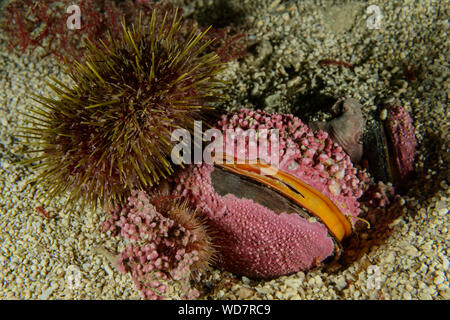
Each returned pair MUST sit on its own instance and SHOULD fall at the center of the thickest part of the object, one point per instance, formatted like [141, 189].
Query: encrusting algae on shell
[403, 142]
[257, 239]
[266, 226]
[168, 244]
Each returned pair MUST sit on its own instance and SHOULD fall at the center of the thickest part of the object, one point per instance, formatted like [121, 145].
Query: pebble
[293, 82]
[425, 296]
[272, 100]
[412, 251]
[264, 49]
[245, 293]
[445, 293]
[220, 294]
[445, 263]
[245, 280]
[341, 283]
[293, 282]
[439, 279]
[46, 293]
[318, 281]
[264, 290]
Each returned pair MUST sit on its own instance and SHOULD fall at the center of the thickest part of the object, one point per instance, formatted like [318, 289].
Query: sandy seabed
[281, 73]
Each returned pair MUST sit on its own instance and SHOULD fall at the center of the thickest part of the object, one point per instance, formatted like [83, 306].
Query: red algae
[30, 25]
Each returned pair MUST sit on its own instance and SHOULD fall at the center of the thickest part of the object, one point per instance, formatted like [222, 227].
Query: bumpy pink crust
[158, 248]
[401, 132]
[310, 155]
[253, 240]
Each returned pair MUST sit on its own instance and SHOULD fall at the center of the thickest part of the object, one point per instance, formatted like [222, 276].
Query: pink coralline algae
[255, 241]
[309, 155]
[400, 128]
[166, 243]
[379, 195]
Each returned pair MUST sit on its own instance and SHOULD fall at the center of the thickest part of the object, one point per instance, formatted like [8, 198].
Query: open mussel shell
[380, 155]
[377, 153]
[225, 182]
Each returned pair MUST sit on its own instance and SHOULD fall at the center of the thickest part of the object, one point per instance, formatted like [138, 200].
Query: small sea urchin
[110, 133]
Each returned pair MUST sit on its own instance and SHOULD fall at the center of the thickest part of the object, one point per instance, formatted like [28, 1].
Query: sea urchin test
[110, 132]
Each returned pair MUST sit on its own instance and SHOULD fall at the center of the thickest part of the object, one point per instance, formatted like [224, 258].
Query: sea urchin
[110, 132]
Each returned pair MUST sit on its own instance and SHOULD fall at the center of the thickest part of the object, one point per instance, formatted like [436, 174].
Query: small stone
[390, 257]
[426, 247]
[445, 293]
[293, 283]
[264, 290]
[409, 288]
[423, 268]
[273, 4]
[220, 294]
[425, 296]
[263, 50]
[293, 82]
[319, 281]
[290, 292]
[47, 292]
[341, 283]
[273, 100]
[438, 279]
[255, 89]
[445, 263]
[245, 280]
[412, 251]
[245, 293]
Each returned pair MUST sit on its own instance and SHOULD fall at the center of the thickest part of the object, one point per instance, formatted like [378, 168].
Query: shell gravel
[39, 257]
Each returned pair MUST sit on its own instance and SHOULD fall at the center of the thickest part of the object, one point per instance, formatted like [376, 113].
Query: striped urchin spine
[110, 132]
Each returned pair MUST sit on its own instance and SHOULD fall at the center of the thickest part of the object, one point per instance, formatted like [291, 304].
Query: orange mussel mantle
[293, 188]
